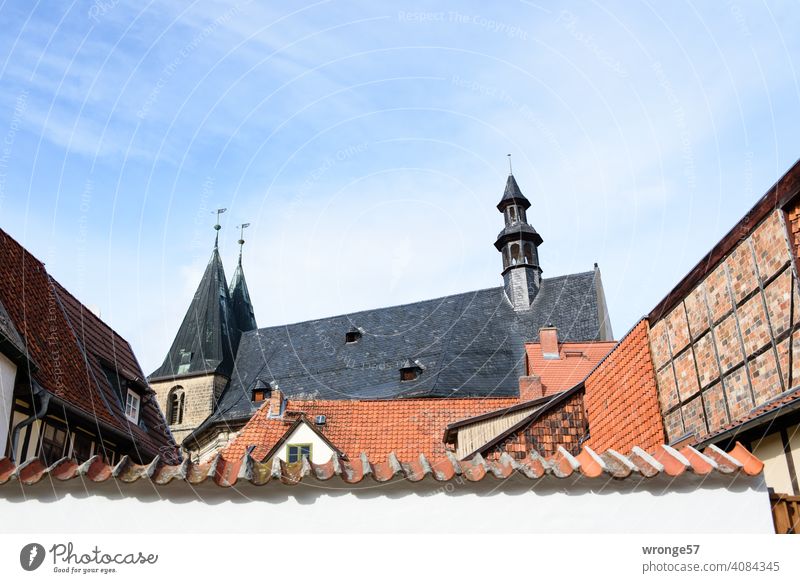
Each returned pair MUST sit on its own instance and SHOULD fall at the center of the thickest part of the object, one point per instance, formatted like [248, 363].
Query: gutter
[44, 402]
[47, 399]
[759, 420]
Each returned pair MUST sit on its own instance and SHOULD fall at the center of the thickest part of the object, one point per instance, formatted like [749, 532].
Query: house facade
[70, 386]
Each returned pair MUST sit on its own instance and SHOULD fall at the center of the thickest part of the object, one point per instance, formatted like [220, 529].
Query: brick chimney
[275, 403]
[530, 388]
[548, 338]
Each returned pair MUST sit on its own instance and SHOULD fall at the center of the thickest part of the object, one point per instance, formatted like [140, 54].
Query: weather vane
[243, 226]
[217, 227]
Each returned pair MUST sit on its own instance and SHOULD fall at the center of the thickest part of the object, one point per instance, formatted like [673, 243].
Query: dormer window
[132, 406]
[411, 370]
[353, 336]
[185, 363]
[261, 391]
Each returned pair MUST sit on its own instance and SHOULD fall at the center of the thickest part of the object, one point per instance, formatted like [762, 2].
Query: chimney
[530, 388]
[276, 402]
[548, 338]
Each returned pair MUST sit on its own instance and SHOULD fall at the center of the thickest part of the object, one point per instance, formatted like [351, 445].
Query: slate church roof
[243, 313]
[208, 336]
[468, 345]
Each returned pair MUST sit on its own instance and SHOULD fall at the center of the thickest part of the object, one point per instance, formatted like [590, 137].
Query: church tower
[519, 244]
[200, 361]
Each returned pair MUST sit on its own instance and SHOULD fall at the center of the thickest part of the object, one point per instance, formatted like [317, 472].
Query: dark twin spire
[218, 314]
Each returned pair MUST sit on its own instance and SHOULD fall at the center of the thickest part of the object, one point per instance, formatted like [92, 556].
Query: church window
[528, 254]
[175, 403]
[512, 213]
[515, 254]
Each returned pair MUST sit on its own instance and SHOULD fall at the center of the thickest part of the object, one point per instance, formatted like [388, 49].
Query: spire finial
[242, 227]
[217, 227]
[510, 171]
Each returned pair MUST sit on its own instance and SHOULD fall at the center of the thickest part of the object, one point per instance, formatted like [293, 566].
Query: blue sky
[366, 144]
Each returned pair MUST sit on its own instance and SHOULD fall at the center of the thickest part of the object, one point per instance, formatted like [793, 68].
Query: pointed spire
[208, 337]
[512, 195]
[243, 312]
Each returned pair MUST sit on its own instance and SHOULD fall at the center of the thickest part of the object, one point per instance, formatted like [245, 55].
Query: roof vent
[321, 420]
[353, 335]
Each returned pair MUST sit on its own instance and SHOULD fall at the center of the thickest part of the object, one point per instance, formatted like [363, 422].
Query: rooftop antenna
[243, 226]
[217, 227]
[510, 171]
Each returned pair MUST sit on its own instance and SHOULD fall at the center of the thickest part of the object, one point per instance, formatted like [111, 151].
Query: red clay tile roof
[405, 427]
[663, 460]
[577, 359]
[67, 342]
[621, 399]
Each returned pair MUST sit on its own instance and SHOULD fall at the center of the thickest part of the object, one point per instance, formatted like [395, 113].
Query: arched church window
[514, 253]
[512, 213]
[528, 254]
[175, 402]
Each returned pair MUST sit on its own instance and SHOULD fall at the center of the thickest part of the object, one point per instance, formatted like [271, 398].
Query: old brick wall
[730, 345]
[565, 425]
[621, 397]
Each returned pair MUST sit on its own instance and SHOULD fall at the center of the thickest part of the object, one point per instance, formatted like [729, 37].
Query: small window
[132, 407]
[296, 451]
[81, 447]
[353, 336]
[54, 441]
[259, 395]
[408, 374]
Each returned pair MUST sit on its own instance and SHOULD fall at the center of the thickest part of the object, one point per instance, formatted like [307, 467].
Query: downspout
[44, 401]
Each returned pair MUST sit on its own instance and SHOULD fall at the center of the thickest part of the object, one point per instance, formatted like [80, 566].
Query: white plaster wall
[659, 505]
[8, 372]
[320, 451]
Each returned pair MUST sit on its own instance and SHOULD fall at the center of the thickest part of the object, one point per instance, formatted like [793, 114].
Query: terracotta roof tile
[588, 465]
[577, 360]
[405, 427]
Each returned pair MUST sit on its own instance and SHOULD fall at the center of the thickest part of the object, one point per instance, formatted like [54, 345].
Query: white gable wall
[321, 452]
